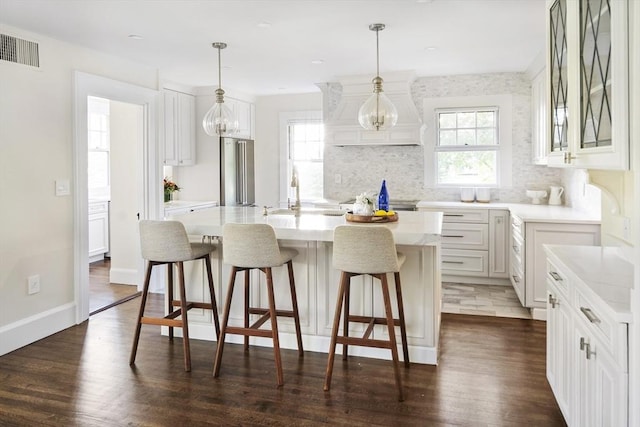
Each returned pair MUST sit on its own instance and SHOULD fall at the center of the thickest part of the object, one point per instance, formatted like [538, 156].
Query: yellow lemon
[390, 213]
[380, 212]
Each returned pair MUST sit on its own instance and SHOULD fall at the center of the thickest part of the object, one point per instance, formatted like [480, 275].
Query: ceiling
[271, 44]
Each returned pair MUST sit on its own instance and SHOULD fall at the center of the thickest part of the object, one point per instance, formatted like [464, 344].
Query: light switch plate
[62, 187]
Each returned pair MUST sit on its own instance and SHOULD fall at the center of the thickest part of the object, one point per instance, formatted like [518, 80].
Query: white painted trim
[284, 119]
[316, 343]
[476, 280]
[124, 276]
[505, 131]
[539, 314]
[31, 329]
[152, 204]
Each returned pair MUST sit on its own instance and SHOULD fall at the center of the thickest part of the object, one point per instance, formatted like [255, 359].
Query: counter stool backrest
[251, 246]
[364, 249]
[164, 241]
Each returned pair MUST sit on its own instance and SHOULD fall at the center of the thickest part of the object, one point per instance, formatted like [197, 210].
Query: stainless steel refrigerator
[237, 180]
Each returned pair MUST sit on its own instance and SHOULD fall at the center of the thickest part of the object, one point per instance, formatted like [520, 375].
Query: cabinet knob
[553, 301]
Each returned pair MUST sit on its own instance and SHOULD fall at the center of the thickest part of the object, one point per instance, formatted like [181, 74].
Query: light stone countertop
[527, 212]
[412, 228]
[608, 277]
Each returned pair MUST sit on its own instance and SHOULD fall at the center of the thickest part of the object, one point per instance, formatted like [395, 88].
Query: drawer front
[98, 207]
[558, 278]
[517, 280]
[465, 263]
[465, 236]
[612, 334]
[517, 227]
[466, 215]
[517, 251]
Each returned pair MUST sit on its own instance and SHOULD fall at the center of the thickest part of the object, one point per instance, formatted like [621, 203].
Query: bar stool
[371, 250]
[254, 246]
[166, 242]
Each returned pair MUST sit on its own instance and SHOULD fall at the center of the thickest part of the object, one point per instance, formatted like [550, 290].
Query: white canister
[467, 194]
[555, 195]
[483, 194]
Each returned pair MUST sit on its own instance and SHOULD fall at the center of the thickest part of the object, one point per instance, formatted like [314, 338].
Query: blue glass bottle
[383, 197]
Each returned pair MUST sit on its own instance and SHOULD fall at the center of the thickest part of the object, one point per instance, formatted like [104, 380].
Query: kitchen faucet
[295, 183]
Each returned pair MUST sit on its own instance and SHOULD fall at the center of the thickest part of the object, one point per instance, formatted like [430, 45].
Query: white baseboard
[34, 328]
[315, 343]
[539, 314]
[123, 276]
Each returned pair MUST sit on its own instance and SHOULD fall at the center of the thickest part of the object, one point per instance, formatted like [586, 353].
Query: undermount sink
[308, 211]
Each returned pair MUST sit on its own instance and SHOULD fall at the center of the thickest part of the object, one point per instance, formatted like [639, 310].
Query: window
[468, 141]
[467, 146]
[303, 139]
[99, 145]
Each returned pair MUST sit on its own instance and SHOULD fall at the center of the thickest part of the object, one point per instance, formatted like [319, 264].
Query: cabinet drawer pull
[516, 249]
[452, 262]
[589, 314]
[555, 276]
[453, 214]
[516, 279]
[584, 345]
[452, 235]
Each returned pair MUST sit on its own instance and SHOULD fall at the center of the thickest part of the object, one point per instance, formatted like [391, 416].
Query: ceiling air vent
[20, 51]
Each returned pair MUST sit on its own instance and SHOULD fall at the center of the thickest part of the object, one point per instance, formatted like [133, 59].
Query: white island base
[317, 281]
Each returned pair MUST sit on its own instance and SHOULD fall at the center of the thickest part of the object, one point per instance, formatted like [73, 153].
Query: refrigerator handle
[242, 171]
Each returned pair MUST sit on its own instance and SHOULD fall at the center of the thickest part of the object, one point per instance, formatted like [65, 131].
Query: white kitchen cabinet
[539, 137]
[588, 74]
[179, 207]
[98, 230]
[587, 350]
[528, 268]
[499, 236]
[474, 244]
[245, 114]
[559, 334]
[179, 128]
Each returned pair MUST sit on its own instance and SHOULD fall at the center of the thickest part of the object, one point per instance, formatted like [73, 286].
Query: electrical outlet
[33, 284]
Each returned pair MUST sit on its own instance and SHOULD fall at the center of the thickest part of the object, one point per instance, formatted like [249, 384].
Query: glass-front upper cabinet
[588, 53]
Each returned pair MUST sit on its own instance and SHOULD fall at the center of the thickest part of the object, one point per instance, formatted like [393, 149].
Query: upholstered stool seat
[358, 250]
[254, 246]
[166, 242]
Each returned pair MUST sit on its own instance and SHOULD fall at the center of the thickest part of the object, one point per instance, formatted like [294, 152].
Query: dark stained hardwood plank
[102, 293]
[491, 373]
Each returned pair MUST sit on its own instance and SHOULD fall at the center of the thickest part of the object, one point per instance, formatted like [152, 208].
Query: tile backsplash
[362, 168]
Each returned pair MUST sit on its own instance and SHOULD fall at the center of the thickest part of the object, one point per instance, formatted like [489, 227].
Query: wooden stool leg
[294, 304]
[225, 321]
[185, 321]
[347, 310]
[334, 332]
[143, 303]
[392, 334]
[246, 306]
[170, 294]
[214, 304]
[274, 326]
[403, 327]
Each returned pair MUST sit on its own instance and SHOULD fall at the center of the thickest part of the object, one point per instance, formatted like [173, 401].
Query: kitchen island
[417, 235]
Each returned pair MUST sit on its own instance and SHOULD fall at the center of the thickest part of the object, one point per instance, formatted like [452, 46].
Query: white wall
[36, 146]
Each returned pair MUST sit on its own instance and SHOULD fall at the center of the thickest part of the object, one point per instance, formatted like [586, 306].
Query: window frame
[501, 103]
[286, 119]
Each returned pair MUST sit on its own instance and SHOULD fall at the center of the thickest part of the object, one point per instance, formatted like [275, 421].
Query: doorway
[115, 180]
[146, 175]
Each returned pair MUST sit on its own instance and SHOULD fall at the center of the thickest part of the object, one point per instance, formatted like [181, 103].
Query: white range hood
[342, 127]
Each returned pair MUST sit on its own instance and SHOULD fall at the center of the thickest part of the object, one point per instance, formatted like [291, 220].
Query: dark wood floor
[491, 373]
[102, 293]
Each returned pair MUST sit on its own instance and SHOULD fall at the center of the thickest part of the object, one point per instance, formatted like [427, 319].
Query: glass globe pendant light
[220, 120]
[377, 112]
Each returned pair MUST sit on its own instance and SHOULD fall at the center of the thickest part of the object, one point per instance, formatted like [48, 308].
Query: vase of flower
[363, 205]
[169, 188]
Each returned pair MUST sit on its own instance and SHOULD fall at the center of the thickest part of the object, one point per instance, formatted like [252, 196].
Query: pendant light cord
[377, 54]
